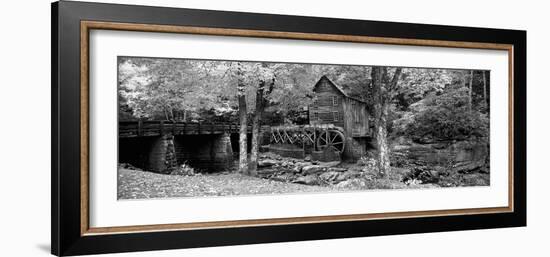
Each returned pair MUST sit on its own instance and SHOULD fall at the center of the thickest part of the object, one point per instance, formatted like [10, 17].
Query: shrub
[367, 163]
[447, 117]
[183, 170]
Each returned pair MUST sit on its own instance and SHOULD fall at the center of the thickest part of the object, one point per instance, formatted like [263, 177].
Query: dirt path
[133, 184]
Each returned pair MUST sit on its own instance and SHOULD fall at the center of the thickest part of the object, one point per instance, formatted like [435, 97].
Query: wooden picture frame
[71, 24]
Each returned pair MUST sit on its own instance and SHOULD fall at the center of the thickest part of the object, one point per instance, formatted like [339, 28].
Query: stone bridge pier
[162, 156]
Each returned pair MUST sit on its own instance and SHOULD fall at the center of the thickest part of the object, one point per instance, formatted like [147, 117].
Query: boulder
[267, 163]
[422, 175]
[329, 164]
[313, 169]
[283, 177]
[286, 164]
[329, 176]
[469, 166]
[429, 176]
[348, 175]
[355, 183]
[335, 169]
[307, 180]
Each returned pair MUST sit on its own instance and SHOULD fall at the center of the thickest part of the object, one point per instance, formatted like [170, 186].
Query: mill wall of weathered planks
[332, 105]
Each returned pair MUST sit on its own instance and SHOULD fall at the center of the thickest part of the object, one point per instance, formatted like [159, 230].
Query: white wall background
[25, 127]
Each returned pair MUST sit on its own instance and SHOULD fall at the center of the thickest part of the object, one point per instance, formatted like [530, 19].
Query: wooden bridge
[160, 146]
[159, 127]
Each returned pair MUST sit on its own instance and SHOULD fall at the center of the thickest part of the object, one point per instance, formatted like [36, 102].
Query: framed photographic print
[178, 128]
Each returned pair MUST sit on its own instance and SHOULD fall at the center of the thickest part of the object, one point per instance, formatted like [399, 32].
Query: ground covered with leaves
[278, 176]
[137, 184]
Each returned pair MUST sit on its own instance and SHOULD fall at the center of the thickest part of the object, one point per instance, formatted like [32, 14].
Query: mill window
[335, 116]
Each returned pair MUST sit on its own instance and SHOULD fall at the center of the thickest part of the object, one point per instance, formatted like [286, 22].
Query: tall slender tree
[241, 98]
[484, 88]
[383, 88]
[258, 110]
[470, 89]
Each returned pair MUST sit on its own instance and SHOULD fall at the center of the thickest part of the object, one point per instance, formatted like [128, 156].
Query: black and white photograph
[208, 128]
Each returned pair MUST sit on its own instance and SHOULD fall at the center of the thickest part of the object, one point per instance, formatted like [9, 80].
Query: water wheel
[331, 139]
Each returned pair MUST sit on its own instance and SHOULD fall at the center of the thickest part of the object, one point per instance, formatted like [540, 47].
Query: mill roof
[338, 88]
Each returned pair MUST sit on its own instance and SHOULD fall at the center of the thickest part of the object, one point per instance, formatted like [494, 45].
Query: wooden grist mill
[338, 127]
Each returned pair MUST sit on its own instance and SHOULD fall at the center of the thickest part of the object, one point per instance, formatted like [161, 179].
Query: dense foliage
[446, 116]
[426, 104]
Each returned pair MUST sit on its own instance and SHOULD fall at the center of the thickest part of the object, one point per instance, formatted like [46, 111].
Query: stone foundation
[162, 157]
[287, 150]
[355, 148]
[325, 156]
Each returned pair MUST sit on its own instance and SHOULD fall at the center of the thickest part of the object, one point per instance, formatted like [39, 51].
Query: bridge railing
[161, 127]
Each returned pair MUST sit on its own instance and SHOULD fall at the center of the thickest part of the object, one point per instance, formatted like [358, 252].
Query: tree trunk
[253, 165]
[470, 90]
[380, 120]
[382, 140]
[485, 89]
[243, 163]
[463, 78]
[382, 89]
[165, 113]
